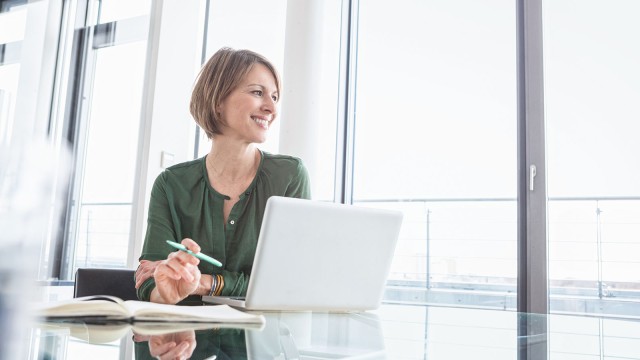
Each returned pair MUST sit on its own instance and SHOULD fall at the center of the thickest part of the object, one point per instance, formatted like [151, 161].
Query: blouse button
[232, 222]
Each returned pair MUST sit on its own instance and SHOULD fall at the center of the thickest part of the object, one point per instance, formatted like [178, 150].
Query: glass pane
[113, 10]
[109, 167]
[592, 89]
[12, 24]
[27, 75]
[12, 28]
[9, 75]
[436, 139]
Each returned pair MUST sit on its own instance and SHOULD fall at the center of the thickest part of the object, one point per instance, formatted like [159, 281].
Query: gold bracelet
[220, 284]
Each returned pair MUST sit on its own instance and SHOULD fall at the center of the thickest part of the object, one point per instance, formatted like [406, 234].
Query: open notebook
[110, 308]
[320, 256]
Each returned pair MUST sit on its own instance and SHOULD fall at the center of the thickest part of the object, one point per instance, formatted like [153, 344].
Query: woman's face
[251, 107]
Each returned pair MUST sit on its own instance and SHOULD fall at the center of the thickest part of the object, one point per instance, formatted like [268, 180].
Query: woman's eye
[257, 92]
[275, 98]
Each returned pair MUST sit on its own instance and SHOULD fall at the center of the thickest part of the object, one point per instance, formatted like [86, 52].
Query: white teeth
[262, 123]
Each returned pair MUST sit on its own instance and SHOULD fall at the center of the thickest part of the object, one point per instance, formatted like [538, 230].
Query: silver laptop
[319, 256]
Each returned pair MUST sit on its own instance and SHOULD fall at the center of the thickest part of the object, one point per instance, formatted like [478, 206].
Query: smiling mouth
[263, 123]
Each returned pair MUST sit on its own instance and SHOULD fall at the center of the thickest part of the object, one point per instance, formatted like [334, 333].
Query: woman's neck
[232, 161]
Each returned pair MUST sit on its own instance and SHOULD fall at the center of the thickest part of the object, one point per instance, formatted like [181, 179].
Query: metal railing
[103, 235]
[606, 244]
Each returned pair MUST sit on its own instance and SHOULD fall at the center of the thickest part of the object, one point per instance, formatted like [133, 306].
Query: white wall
[300, 114]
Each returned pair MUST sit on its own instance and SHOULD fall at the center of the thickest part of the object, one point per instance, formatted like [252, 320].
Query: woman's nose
[269, 104]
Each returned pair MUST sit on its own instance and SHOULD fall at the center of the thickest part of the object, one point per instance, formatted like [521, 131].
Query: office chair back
[114, 282]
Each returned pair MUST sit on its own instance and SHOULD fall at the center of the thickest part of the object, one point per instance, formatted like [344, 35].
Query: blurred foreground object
[30, 173]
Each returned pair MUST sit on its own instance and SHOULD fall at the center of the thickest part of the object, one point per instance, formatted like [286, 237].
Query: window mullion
[532, 220]
[346, 104]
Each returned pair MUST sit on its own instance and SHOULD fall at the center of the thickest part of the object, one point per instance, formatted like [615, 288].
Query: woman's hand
[173, 346]
[178, 276]
[145, 271]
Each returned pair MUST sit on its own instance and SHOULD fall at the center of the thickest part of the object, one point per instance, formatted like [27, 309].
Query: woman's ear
[218, 108]
[217, 111]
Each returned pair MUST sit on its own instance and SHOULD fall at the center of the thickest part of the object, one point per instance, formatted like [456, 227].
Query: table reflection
[394, 332]
[284, 336]
[190, 344]
[287, 335]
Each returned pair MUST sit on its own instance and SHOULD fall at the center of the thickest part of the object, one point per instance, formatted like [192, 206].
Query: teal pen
[200, 256]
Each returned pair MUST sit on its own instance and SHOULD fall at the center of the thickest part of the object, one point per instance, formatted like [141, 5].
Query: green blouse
[184, 205]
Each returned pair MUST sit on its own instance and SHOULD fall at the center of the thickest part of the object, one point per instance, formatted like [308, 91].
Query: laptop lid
[321, 256]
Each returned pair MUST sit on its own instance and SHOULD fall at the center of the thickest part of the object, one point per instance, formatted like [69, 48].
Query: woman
[215, 204]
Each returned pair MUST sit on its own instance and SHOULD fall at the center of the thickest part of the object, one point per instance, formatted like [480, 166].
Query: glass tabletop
[392, 332]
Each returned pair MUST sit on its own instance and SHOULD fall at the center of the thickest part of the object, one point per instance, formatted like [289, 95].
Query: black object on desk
[114, 282]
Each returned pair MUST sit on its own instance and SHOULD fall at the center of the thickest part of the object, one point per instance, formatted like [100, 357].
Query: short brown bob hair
[222, 73]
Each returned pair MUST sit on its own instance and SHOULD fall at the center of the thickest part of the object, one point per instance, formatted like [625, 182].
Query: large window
[108, 167]
[435, 138]
[109, 58]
